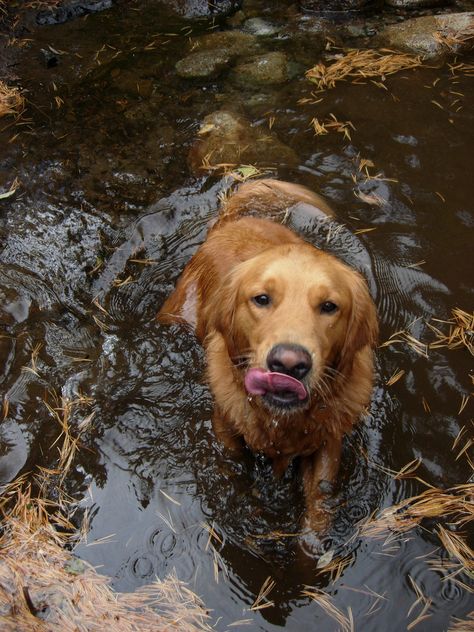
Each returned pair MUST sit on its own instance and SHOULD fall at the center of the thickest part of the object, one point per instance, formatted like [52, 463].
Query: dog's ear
[221, 311]
[363, 326]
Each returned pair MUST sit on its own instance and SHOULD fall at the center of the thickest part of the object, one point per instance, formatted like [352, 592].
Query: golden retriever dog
[289, 332]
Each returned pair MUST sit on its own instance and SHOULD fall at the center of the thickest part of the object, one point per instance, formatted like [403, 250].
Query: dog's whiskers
[240, 364]
[242, 360]
[332, 373]
[323, 388]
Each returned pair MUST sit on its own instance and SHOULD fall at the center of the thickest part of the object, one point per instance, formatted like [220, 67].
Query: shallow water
[107, 197]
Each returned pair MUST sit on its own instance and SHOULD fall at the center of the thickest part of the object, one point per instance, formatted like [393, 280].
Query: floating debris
[247, 172]
[168, 520]
[235, 173]
[261, 601]
[422, 600]
[403, 337]
[325, 559]
[363, 167]
[33, 368]
[417, 264]
[457, 548]
[12, 102]
[361, 231]
[212, 534]
[464, 401]
[371, 198]
[467, 69]
[468, 443]
[122, 282]
[454, 506]
[14, 186]
[334, 566]
[452, 41]
[462, 625]
[397, 375]
[42, 4]
[346, 622]
[43, 586]
[361, 65]
[331, 124]
[62, 410]
[276, 535]
[175, 502]
[460, 334]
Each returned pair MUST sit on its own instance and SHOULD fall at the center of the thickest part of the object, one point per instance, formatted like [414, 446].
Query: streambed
[109, 210]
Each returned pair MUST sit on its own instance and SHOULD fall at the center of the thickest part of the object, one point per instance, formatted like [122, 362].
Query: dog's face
[294, 311]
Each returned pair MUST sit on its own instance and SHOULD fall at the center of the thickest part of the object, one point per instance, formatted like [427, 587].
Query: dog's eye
[328, 307]
[262, 300]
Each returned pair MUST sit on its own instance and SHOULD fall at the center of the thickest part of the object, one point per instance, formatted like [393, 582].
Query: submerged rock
[416, 4]
[309, 35]
[260, 27]
[70, 10]
[432, 35]
[226, 137]
[203, 65]
[268, 69]
[128, 82]
[200, 8]
[322, 6]
[233, 42]
[212, 53]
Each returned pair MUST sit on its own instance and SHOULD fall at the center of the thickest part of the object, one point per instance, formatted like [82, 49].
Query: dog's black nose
[292, 360]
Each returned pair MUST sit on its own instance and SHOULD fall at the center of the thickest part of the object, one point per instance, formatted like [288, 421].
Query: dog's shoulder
[246, 237]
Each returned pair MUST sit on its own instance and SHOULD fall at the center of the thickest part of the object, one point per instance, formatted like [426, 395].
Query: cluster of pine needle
[12, 102]
[360, 65]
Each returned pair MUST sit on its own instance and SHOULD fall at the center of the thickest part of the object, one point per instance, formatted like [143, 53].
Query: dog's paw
[317, 523]
[319, 518]
[327, 489]
[310, 544]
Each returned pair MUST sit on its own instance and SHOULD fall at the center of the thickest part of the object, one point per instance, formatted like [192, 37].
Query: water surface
[108, 214]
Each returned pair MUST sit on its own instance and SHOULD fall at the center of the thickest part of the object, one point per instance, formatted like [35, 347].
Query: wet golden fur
[247, 256]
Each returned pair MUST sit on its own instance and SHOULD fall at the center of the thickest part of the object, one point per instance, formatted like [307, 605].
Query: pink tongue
[259, 382]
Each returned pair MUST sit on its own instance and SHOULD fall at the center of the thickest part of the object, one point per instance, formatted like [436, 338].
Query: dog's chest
[286, 437]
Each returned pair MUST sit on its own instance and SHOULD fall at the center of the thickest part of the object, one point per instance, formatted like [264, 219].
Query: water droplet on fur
[306, 431]
[274, 423]
[249, 398]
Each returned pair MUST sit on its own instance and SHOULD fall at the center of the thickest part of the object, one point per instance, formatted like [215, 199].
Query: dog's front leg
[319, 475]
[225, 432]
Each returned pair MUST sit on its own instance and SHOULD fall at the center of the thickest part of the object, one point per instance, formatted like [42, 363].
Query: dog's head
[293, 319]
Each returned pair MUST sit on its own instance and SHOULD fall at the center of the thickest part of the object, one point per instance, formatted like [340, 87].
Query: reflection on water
[109, 211]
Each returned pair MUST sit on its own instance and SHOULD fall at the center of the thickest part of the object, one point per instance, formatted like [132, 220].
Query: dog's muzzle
[279, 390]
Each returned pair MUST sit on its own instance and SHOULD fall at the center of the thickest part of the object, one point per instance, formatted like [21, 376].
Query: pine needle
[454, 505]
[403, 337]
[12, 101]
[361, 65]
[11, 191]
[38, 572]
[261, 601]
[331, 124]
[345, 623]
[397, 375]
[460, 332]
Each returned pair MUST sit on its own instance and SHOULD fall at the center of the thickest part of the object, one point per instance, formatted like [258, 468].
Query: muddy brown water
[107, 196]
